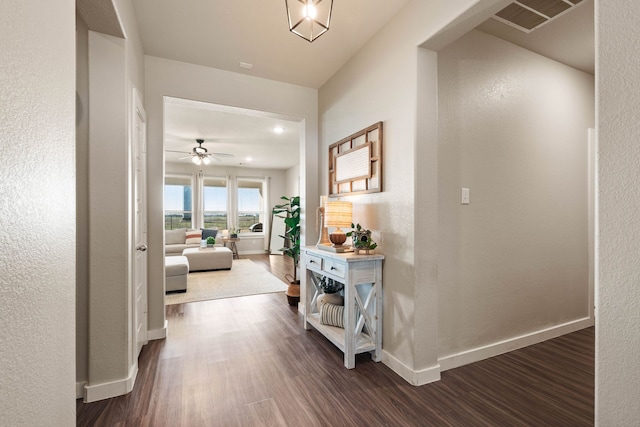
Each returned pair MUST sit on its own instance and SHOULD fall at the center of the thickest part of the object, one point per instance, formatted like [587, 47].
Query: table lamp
[338, 214]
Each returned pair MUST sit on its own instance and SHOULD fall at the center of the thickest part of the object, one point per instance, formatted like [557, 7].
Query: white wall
[115, 67]
[82, 203]
[37, 213]
[182, 80]
[292, 181]
[513, 129]
[618, 299]
[380, 83]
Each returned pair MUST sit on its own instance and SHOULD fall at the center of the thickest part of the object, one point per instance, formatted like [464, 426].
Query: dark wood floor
[248, 362]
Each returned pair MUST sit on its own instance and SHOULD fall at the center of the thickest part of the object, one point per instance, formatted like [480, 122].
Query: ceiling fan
[200, 155]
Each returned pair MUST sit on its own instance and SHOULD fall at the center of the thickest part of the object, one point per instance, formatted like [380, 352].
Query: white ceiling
[247, 135]
[569, 39]
[223, 33]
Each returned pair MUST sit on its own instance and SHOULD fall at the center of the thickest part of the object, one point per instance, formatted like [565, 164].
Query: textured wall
[618, 299]
[513, 129]
[380, 83]
[37, 213]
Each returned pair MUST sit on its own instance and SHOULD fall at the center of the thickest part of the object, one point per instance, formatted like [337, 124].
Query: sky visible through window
[215, 199]
[249, 200]
[174, 198]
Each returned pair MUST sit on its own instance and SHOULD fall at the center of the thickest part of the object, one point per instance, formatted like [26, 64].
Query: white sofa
[175, 240]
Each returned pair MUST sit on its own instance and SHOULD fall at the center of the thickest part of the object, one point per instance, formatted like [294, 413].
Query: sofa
[176, 269]
[176, 241]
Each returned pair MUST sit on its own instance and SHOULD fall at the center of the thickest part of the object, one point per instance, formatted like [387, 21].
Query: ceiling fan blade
[174, 151]
[222, 154]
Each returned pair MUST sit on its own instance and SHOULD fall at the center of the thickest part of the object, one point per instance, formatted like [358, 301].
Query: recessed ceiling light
[248, 159]
[246, 65]
[278, 129]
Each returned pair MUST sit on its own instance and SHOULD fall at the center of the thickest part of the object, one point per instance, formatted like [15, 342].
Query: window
[215, 203]
[250, 203]
[177, 202]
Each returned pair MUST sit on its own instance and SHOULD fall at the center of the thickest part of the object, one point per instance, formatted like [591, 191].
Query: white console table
[362, 278]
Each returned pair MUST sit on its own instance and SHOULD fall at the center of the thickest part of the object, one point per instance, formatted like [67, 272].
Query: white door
[139, 150]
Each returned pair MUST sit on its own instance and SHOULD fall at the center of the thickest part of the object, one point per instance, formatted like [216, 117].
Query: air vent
[527, 15]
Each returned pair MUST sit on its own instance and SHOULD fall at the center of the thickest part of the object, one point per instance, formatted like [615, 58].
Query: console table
[362, 278]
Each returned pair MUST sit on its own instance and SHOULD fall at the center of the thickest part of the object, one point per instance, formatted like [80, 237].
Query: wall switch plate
[464, 199]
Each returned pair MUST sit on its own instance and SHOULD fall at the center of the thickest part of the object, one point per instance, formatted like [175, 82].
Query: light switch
[465, 196]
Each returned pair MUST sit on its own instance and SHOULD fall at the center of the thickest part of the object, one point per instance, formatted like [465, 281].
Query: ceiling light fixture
[309, 19]
[200, 159]
[278, 130]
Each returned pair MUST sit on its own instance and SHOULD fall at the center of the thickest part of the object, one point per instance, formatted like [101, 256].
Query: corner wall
[109, 70]
[513, 128]
[618, 297]
[37, 213]
[382, 83]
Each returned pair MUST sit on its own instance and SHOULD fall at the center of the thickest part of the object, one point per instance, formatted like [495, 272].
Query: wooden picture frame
[355, 163]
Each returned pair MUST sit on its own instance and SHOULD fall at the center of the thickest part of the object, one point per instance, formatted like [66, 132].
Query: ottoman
[176, 269]
[202, 259]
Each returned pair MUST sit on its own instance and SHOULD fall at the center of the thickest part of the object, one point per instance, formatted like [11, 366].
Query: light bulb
[310, 10]
[206, 160]
[196, 160]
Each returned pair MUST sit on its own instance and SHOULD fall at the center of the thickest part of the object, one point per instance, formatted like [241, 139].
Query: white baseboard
[480, 353]
[417, 378]
[93, 393]
[252, 252]
[80, 389]
[432, 374]
[158, 334]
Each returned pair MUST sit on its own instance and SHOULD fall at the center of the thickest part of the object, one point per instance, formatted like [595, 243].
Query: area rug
[244, 278]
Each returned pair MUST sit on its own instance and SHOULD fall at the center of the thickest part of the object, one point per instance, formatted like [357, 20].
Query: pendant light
[309, 19]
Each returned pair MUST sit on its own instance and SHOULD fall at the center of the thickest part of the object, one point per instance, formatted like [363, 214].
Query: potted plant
[290, 211]
[361, 239]
[211, 241]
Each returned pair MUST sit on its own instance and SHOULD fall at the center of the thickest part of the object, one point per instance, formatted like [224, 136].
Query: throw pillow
[209, 232]
[193, 237]
[174, 237]
[331, 314]
[334, 298]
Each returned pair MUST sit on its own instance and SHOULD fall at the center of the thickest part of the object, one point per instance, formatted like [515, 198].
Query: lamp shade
[309, 19]
[338, 214]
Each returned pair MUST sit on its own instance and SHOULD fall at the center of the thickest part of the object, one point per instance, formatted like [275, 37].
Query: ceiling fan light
[196, 160]
[206, 160]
